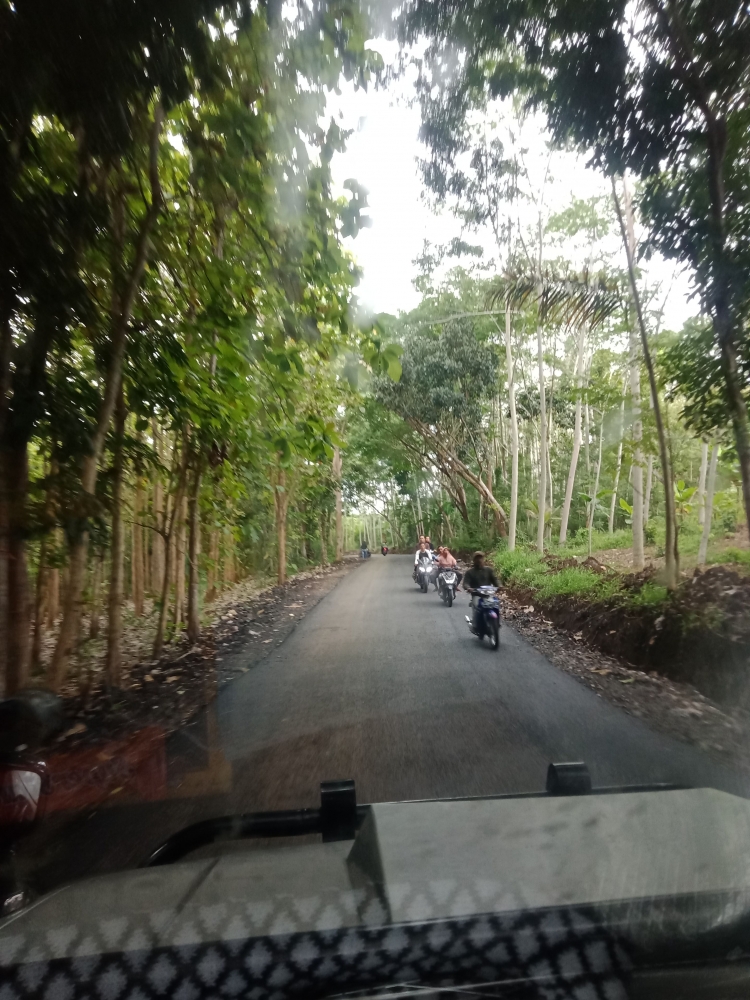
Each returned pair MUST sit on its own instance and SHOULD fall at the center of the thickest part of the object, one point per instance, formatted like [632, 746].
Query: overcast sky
[382, 155]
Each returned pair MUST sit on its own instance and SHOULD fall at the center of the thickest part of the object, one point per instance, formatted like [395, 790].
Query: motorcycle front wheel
[424, 586]
[495, 636]
[449, 597]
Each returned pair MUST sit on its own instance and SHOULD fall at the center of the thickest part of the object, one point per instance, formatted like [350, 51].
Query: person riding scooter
[479, 576]
[416, 556]
[446, 560]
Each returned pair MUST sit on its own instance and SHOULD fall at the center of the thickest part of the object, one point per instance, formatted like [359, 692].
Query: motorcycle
[487, 616]
[424, 574]
[447, 583]
[384, 549]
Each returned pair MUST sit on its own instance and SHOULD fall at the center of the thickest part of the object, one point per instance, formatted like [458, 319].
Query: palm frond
[568, 300]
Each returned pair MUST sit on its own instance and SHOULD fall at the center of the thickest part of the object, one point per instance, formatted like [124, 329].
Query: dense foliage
[175, 308]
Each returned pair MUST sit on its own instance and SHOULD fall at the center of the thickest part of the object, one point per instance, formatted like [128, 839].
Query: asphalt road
[386, 685]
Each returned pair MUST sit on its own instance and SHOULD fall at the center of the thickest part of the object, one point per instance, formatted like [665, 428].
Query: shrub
[650, 595]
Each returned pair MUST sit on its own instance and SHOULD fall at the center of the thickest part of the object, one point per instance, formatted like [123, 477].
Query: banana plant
[592, 502]
[682, 496]
[628, 508]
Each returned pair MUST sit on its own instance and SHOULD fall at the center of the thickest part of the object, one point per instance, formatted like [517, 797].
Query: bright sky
[382, 156]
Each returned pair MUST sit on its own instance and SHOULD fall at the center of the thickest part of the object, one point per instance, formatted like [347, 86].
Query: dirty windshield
[373, 409]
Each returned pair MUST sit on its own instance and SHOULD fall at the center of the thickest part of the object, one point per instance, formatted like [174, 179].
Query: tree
[171, 240]
[90, 78]
[671, 542]
[657, 88]
[446, 378]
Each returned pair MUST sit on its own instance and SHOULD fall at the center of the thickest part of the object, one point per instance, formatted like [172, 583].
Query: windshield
[297, 297]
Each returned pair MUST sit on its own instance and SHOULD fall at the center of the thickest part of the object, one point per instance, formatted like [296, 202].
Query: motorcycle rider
[416, 554]
[479, 576]
[422, 551]
[446, 560]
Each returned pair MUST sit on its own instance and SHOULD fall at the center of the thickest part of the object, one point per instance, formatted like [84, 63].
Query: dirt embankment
[699, 635]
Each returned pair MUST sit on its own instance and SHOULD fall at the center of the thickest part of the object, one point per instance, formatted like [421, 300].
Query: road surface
[386, 685]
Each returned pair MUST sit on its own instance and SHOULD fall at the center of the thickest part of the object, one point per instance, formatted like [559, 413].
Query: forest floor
[251, 617]
[622, 558]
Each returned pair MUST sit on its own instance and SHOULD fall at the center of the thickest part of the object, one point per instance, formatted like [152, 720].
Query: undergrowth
[579, 543]
[526, 569]
[738, 557]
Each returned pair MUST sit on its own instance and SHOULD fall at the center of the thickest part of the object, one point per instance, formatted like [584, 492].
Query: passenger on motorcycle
[447, 561]
[479, 576]
[422, 551]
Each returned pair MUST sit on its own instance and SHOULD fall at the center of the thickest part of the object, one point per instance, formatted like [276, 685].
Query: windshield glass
[303, 303]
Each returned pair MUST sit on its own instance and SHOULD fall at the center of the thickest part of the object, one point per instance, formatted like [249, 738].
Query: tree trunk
[40, 609]
[592, 509]
[281, 541]
[193, 611]
[281, 497]
[649, 484]
[323, 541]
[513, 432]
[565, 515]
[542, 495]
[702, 483]
[709, 507]
[671, 550]
[72, 605]
[169, 531]
[15, 630]
[339, 504]
[157, 544]
[136, 561]
[212, 572]
[164, 598]
[613, 501]
[179, 555]
[420, 522]
[53, 597]
[96, 576]
[736, 399]
[587, 440]
[635, 399]
[113, 662]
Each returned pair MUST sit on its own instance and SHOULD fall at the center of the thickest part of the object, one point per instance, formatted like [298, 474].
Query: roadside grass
[579, 543]
[737, 557]
[650, 595]
[525, 569]
[578, 582]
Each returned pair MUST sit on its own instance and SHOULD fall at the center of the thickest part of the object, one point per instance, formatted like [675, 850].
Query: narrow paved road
[386, 685]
